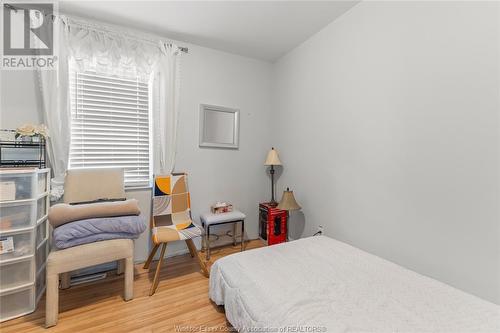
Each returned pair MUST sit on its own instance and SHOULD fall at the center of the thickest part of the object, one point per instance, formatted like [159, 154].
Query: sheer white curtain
[106, 50]
[54, 92]
[166, 113]
[89, 45]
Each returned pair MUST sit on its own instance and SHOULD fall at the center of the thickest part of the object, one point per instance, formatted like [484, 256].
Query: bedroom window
[110, 125]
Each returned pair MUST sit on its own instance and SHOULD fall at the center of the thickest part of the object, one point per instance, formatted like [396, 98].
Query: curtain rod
[16, 8]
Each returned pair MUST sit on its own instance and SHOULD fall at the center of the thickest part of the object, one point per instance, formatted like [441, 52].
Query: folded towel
[64, 213]
[98, 229]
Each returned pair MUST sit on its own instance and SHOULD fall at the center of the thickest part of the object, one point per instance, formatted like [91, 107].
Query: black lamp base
[271, 171]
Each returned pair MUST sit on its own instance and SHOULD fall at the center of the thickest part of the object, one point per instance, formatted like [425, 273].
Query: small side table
[273, 223]
[208, 220]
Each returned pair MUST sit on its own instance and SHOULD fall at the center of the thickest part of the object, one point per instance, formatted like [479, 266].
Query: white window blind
[110, 125]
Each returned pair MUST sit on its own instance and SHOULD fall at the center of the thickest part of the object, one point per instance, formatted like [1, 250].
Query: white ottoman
[209, 219]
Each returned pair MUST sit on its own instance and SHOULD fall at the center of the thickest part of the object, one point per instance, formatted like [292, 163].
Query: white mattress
[323, 284]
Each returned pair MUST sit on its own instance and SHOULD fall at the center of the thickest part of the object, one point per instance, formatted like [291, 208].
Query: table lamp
[272, 160]
[288, 203]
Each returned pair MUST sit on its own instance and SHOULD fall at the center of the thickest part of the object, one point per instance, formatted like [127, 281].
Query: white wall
[19, 102]
[237, 176]
[388, 128]
[208, 76]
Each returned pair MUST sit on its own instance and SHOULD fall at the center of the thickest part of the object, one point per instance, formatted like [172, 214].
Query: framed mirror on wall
[219, 127]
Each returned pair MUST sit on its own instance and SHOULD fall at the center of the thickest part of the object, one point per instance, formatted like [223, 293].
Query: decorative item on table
[32, 133]
[272, 160]
[221, 207]
[288, 203]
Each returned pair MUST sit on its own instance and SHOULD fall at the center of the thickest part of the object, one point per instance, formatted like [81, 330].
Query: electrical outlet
[319, 231]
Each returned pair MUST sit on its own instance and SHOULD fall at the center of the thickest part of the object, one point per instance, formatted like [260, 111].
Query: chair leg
[129, 278]
[193, 253]
[157, 273]
[202, 264]
[65, 280]
[151, 256]
[52, 299]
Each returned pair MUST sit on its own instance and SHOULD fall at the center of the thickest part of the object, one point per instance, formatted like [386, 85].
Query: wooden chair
[172, 220]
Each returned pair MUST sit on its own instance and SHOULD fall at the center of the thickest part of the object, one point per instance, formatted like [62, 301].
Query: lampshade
[288, 201]
[272, 158]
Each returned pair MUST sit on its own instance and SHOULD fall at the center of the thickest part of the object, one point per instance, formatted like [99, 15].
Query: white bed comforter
[321, 284]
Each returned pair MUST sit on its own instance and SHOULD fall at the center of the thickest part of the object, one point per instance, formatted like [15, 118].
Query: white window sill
[137, 188]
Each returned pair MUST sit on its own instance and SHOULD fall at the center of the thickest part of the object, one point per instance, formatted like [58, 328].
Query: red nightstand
[272, 223]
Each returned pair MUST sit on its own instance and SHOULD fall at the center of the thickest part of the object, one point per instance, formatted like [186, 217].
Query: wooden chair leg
[52, 299]
[193, 253]
[157, 273]
[129, 278]
[151, 256]
[192, 248]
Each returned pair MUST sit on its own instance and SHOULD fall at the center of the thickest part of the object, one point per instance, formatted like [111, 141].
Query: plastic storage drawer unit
[16, 303]
[41, 208]
[15, 274]
[41, 283]
[16, 215]
[17, 244]
[18, 185]
[42, 253]
[24, 245]
[41, 232]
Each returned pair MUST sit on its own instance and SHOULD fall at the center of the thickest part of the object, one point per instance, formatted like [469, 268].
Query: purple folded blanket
[98, 229]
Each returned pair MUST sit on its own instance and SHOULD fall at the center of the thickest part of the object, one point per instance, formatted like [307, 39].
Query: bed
[319, 284]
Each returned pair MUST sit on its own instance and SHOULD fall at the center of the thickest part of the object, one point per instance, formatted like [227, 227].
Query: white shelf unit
[24, 237]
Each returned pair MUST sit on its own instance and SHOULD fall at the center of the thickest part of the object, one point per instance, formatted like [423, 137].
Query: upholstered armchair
[83, 185]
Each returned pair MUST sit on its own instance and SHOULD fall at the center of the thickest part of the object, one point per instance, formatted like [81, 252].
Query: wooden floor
[180, 303]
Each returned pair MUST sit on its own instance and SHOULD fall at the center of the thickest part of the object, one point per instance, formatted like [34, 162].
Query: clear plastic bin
[42, 182]
[41, 255]
[17, 186]
[16, 215]
[17, 303]
[41, 207]
[15, 274]
[23, 244]
[40, 283]
[41, 232]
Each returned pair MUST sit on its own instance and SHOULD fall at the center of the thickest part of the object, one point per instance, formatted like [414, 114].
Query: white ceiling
[258, 29]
